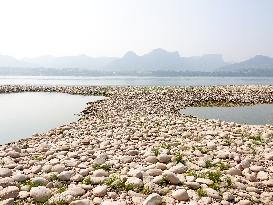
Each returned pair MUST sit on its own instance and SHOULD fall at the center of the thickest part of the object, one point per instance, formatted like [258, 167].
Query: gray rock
[256, 168]
[100, 191]
[58, 168]
[127, 159]
[262, 175]
[151, 159]
[9, 201]
[65, 175]
[13, 154]
[228, 196]
[47, 168]
[179, 169]
[135, 181]
[133, 152]
[211, 145]
[23, 194]
[204, 181]
[212, 193]
[180, 194]
[97, 180]
[40, 193]
[153, 199]
[192, 185]
[164, 158]
[7, 181]
[75, 190]
[9, 192]
[244, 202]
[5, 172]
[161, 166]
[80, 202]
[100, 173]
[36, 169]
[245, 163]
[154, 172]
[171, 177]
[39, 180]
[234, 171]
[135, 173]
[20, 177]
[269, 183]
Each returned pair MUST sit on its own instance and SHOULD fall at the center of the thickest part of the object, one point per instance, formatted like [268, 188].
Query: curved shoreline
[124, 132]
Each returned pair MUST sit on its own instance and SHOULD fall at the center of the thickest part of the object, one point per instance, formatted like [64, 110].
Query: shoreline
[136, 148]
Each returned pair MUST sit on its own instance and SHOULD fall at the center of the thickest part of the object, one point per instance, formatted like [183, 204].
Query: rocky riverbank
[136, 148]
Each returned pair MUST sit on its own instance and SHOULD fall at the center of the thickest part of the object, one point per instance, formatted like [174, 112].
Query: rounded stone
[154, 172]
[5, 172]
[100, 173]
[65, 175]
[153, 199]
[40, 193]
[80, 202]
[180, 194]
[135, 181]
[151, 159]
[164, 158]
[100, 191]
[9, 192]
[20, 177]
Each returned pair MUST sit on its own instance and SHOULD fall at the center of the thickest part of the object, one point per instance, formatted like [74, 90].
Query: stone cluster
[135, 147]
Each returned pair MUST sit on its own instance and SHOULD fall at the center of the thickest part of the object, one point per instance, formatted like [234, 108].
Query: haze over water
[134, 80]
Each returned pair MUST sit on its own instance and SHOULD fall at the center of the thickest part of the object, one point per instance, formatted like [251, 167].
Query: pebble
[80, 202]
[9, 192]
[100, 191]
[180, 194]
[153, 199]
[137, 134]
[5, 172]
[40, 193]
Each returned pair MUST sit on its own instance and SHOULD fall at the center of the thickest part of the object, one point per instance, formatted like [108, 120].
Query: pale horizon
[236, 29]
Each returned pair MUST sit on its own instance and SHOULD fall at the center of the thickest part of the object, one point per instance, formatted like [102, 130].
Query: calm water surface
[255, 115]
[23, 114]
[135, 80]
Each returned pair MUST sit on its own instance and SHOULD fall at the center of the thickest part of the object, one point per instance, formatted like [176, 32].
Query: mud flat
[136, 148]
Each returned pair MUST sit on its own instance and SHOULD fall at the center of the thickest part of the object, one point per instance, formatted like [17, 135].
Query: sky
[237, 29]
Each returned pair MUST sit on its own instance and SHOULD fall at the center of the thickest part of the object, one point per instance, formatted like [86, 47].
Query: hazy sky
[238, 29]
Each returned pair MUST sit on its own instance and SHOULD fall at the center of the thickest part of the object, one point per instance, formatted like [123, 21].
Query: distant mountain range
[156, 62]
[257, 65]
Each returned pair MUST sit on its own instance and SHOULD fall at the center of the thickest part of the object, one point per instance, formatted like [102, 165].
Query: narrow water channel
[260, 114]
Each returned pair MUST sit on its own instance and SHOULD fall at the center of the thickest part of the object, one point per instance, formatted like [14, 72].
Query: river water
[260, 114]
[135, 81]
[23, 114]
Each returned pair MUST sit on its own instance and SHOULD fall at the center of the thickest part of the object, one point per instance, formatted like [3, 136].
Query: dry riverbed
[135, 147]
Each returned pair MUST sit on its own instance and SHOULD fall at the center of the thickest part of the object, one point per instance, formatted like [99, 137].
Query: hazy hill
[81, 62]
[157, 61]
[8, 61]
[257, 62]
[161, 60]
[208, 62]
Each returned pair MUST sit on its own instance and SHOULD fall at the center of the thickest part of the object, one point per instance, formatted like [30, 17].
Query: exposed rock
[40, 193]
[180, 194]
[100, 190]
[153, 199]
